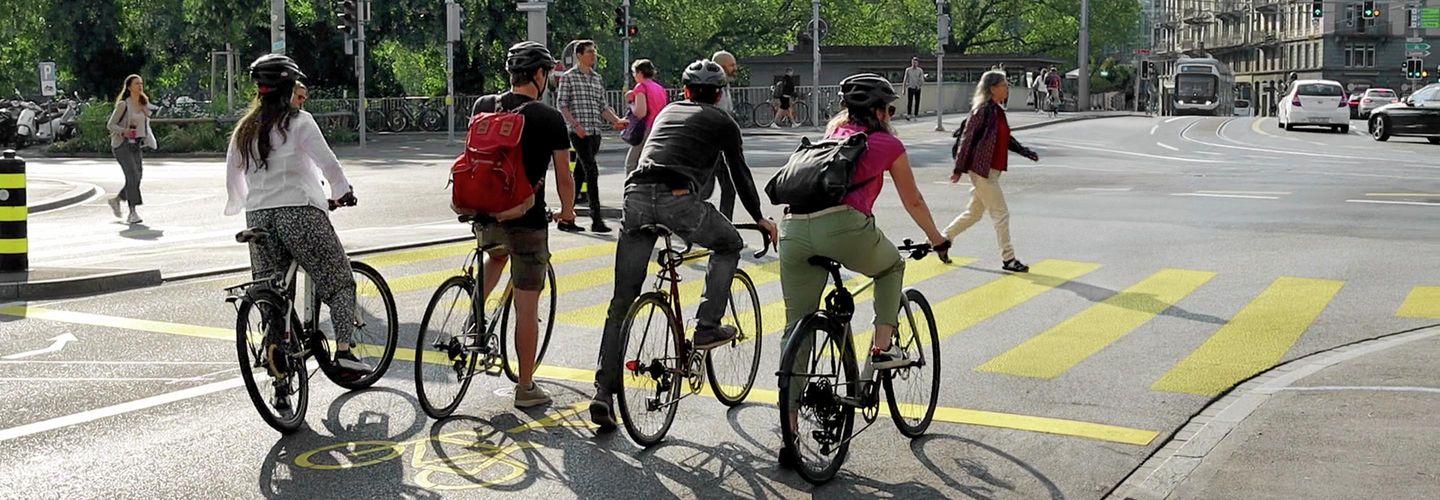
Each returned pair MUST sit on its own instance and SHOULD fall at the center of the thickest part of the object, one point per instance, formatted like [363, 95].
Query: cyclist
[272, 172]
[679, 158]
[847, 232]
[525, 240]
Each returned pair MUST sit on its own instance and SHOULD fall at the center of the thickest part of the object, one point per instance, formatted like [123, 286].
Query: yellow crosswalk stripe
[1254, 340]
[403, 257]
[1060, 348]
[431, 280]
[1423, 302]
[594, 315]
[915, 273]
[960, 312]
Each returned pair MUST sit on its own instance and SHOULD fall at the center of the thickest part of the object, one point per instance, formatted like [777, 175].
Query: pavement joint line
[1160, 474]
[1047, 425]
[1234, 196]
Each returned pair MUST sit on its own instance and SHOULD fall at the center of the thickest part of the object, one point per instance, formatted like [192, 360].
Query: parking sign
[47, 79]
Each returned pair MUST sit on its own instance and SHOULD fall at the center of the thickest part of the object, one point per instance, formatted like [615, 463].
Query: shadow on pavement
[980, 480]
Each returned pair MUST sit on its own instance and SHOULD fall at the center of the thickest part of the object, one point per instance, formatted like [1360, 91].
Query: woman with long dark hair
[129, 127]
[273, 167]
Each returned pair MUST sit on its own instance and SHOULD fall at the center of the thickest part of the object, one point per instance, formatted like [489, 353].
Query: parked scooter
[55, 121]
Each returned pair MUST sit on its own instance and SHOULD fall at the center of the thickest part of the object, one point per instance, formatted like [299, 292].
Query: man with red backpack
[523, 230]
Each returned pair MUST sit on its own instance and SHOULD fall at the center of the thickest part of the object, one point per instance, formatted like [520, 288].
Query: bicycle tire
[819, 398]
[667, 385]
[747, 343]
[367, 332]
[439, 353]
[913, 307]
[744, 114]
[802, 112]
[764, 115]
[375, 120]
[432, 120]
[398, 120]
[547, 326]
[267, 307]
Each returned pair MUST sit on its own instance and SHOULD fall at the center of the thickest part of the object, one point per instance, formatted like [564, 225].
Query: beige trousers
[985, 195]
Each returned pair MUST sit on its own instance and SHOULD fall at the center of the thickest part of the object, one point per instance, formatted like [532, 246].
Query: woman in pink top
[647, 99]
[847, 232]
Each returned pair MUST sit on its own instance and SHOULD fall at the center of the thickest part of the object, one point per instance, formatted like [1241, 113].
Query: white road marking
[1172, 120]
[1142, 155]
[1407, 195]
[1167, 146]
[1154, 128]
[1211, 153]
[1208, 195]
[1388, 202]
[120, 409]
[85, 362]
[1103, 189]
[1247, 192]
[57, 344]
[1185, 135]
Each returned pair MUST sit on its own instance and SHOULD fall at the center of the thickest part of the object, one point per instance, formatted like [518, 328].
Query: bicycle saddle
[250, 234]
[827, 263]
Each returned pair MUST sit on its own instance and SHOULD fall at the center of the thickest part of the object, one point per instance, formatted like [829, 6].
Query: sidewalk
[1360, 421]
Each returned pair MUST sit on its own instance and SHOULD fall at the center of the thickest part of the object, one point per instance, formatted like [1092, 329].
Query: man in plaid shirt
[581, 98]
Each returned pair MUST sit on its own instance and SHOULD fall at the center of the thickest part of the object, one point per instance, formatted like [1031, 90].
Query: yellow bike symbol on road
[481, 464]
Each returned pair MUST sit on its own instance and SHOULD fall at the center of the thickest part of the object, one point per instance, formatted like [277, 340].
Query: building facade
[1263, 41]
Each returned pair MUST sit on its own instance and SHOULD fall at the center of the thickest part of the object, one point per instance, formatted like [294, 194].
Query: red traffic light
[632, 31]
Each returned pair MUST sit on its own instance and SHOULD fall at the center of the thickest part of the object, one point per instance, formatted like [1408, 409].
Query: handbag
[634, 133]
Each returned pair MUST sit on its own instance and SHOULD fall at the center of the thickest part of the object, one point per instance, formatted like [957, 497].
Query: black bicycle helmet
[271, 70]
[704, 72]
[528, 56]
[867, 90]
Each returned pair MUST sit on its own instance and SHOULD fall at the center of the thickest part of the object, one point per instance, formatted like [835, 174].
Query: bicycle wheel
[650, 370]
[744, 114]
[277, 371]
[376, 329]
[444, 360]
[375, 120]
[912, 391]
[802, 112]
[813, 380]
[764, 114]
[398, 120]
[545, 313]
[731, 368]
[432, 120]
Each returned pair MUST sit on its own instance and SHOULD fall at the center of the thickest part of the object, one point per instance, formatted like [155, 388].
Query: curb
[80, 193]
[1171, 465]
[98, 284]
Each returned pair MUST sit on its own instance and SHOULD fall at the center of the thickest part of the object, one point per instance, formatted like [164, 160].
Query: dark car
[1415, 116]
[1354, 104]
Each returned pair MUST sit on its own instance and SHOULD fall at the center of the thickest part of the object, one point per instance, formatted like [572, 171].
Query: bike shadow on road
[1142, 302]
[941, 453]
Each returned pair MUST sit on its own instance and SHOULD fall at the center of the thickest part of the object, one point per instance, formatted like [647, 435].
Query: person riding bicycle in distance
[847, 232]
[679, 158]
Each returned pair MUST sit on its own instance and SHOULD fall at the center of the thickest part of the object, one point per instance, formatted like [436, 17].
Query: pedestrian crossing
[1254, 339]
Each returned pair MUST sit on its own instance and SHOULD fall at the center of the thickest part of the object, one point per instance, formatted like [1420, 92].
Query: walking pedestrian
[785, 93]
[914, 81]
[722, 180]
[581, 99]
[129, 127]
[1037, 91]
[982, 153]
[1052, 87]
[647, 99]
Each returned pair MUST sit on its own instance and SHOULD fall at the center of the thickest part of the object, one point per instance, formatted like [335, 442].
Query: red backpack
[489, 176]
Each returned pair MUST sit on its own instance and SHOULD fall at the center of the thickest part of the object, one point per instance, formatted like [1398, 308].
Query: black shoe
[599, 227]
[346, 361]
[710, 338]
[1014, 266]
[581, 198]
[602, 411]
[569, 227]
[788, 459]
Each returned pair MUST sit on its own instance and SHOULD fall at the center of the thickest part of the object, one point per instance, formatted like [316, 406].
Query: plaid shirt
[583, 95]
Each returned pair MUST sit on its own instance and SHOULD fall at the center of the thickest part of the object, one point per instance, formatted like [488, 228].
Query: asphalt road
[1171, 259]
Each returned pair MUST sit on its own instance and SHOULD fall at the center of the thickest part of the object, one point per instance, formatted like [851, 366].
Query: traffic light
[347, 16]
[1368, 10]
[621, 21]
[1414, 68]
[1317, 8]
[632, 31]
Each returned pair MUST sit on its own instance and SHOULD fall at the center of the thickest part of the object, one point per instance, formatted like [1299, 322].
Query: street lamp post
[942, 37]
[815, 63]
[1082, 98]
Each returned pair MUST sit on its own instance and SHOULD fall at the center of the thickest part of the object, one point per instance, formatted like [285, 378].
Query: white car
[1374, 98]
[1315, 103]
[1242, 108]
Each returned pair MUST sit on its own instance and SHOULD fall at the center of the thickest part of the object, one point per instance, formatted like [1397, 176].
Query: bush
[91, 135]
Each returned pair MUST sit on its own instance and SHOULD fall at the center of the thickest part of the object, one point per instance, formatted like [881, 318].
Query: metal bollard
[14, 242]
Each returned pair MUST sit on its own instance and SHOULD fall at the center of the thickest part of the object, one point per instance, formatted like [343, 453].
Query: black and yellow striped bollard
[14, 244]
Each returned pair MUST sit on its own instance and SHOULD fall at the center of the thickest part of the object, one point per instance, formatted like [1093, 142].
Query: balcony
[1361, 29]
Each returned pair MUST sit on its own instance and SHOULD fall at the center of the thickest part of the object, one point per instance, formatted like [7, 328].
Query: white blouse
[292, 175]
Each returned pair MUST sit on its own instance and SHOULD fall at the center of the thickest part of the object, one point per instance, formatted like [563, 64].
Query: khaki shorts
[529, 251]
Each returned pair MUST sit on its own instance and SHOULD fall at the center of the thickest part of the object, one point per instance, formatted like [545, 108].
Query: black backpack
[818, 175]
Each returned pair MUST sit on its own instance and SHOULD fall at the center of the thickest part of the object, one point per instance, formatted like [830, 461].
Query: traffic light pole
[277, 26]
[360, 64]
[625, 46]
[1082, 97]
[941, 37]
[814, 64]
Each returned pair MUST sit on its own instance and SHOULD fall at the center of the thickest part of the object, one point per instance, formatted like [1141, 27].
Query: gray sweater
[123, 118]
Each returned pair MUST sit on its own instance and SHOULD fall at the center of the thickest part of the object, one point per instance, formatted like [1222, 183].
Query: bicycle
[431, 117]
[270, 346]
[451, 344]
[653, 373]
[765, 113]
[820, 384]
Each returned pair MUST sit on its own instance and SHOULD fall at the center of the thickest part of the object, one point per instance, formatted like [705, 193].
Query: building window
[1360, 55]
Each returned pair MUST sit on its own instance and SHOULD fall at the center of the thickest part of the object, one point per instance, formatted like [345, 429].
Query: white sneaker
[530, 397]
[134, 217]
[795, 125]
[889, 358]
[115, 206]
[774, 125]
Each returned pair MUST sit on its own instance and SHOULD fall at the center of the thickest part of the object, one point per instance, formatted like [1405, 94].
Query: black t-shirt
[544, 134]
[787, 85]
[683, 148]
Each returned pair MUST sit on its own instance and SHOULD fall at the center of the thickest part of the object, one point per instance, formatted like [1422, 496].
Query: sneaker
[599, 227]
[602, 411]
[1014, 266]
[347, 361]
[788, 459]
[795, 125]
[134, 217]
[887, 359]
[569, 227]
[710, 338]
[774, 125]
[530, 397]
[115, 206]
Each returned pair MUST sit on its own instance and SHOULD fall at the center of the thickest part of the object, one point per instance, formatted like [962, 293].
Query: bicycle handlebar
[917, 251]
[763, 234]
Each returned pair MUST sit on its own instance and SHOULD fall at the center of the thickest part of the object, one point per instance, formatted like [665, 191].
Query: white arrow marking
[59, 343]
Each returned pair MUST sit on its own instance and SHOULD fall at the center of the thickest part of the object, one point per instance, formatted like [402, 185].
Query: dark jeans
[132, 163]
[691, 219]
[727, 189]
[912, 102]
[587, 170]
